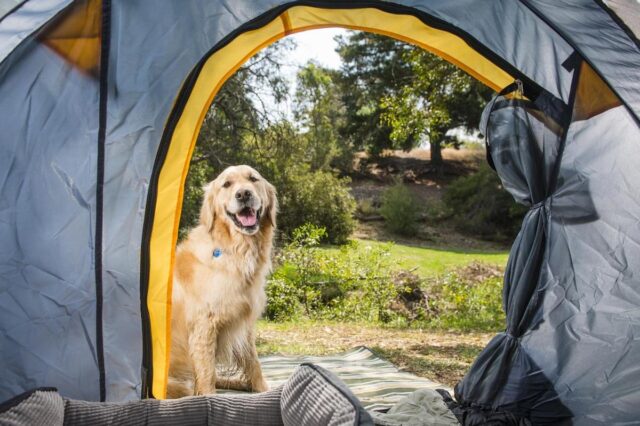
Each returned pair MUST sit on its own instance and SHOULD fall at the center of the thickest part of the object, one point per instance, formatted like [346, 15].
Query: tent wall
[166, 62]
[586, 338]
[48, 140]
[26, 18]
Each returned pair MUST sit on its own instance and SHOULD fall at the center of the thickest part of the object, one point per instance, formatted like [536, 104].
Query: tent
[100, 105]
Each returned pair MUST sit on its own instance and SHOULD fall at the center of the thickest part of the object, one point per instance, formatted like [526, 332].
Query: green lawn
[435, 261]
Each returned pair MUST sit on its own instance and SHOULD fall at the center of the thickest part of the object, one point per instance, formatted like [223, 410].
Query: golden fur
[217, 300]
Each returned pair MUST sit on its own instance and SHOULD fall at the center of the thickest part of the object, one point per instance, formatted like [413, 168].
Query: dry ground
[437, 355]
[414, 169]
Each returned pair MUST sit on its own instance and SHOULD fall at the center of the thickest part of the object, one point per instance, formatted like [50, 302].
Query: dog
[218, 285]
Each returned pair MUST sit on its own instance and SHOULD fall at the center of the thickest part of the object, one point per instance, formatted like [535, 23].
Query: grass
[440, 356]
[432, 262]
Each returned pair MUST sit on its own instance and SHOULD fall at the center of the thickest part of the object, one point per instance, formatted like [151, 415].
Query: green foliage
[399, 209]
[372, 68]
[319, 111]
[349, 284]
[457, 303]
[480, 205]
[363, 283]
[439, 97]
[198, 177]
[321, 199]
[398, 95]
[366, 207]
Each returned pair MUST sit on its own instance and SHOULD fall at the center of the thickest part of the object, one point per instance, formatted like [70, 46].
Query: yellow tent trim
[216, 70]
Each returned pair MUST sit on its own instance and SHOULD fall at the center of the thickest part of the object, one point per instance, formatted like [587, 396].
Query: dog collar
[217, 252]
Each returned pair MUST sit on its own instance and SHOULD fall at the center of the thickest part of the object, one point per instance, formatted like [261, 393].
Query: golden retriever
[218, 285]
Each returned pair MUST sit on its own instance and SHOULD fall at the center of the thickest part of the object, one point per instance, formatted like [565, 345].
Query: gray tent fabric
[7, 6]
[524, 144]
[593, 31]
[27, 17]
[85, 135]
[628, 11]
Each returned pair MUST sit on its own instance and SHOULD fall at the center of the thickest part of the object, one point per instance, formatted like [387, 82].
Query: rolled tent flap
[524, 143]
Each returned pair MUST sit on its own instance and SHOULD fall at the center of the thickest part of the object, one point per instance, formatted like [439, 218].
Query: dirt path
[439, 356]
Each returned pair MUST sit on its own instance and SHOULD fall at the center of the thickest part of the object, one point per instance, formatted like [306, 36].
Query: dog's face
[242, 198]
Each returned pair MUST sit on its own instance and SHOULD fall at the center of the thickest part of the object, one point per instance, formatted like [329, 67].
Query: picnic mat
[376, 382]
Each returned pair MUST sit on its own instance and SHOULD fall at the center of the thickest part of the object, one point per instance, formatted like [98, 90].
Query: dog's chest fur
[230, 285]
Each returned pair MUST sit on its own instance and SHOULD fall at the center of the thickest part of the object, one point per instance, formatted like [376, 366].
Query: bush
[358, 283]
[400, 210]
[480, 205]
[460, 303]
[366, 207]
[317, 198]
[352, 283]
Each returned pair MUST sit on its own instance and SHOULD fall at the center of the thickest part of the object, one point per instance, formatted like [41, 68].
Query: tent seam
[102, 125]
[13, 10]
[620, 22]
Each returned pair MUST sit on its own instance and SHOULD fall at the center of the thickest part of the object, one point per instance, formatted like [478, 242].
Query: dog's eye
[226, 184]
[253, 178]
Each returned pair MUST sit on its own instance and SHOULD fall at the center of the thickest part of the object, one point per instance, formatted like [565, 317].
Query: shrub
[366, 207]
[283, 300]
[462, 302]
[399, 209]
[359, 283]
[317, 198]
[353, 283]
[480, 205]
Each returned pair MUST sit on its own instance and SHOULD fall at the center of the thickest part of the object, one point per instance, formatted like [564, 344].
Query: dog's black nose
[243, 195]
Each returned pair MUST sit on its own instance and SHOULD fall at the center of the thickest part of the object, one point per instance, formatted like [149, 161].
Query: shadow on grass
[443, 364]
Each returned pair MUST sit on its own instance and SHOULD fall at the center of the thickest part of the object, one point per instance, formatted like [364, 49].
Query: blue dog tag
[217, 252]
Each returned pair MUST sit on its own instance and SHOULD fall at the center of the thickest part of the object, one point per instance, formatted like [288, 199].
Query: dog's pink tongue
[247, 218]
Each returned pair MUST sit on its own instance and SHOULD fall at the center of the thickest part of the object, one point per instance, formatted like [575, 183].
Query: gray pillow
[41, 406]
[314, 396]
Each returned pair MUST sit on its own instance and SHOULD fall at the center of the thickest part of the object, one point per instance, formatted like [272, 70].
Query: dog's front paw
[204, 390]
[260, 385]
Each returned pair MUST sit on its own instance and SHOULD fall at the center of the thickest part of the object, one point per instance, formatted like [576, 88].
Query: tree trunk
[436, 156]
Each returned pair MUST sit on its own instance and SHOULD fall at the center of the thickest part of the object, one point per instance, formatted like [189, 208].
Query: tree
[440, 97]
[398, 95]
[371, 70]
[319, 111]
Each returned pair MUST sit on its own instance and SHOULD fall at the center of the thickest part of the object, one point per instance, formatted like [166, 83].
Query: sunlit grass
[430, 262]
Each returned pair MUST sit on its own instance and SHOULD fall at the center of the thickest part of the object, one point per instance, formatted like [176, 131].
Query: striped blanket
[376, 382]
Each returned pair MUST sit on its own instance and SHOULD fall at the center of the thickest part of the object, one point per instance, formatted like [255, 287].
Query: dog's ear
[272, 204]
[207, 214]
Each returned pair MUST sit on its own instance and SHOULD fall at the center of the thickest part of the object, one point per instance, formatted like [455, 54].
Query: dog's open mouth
[246, 219]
